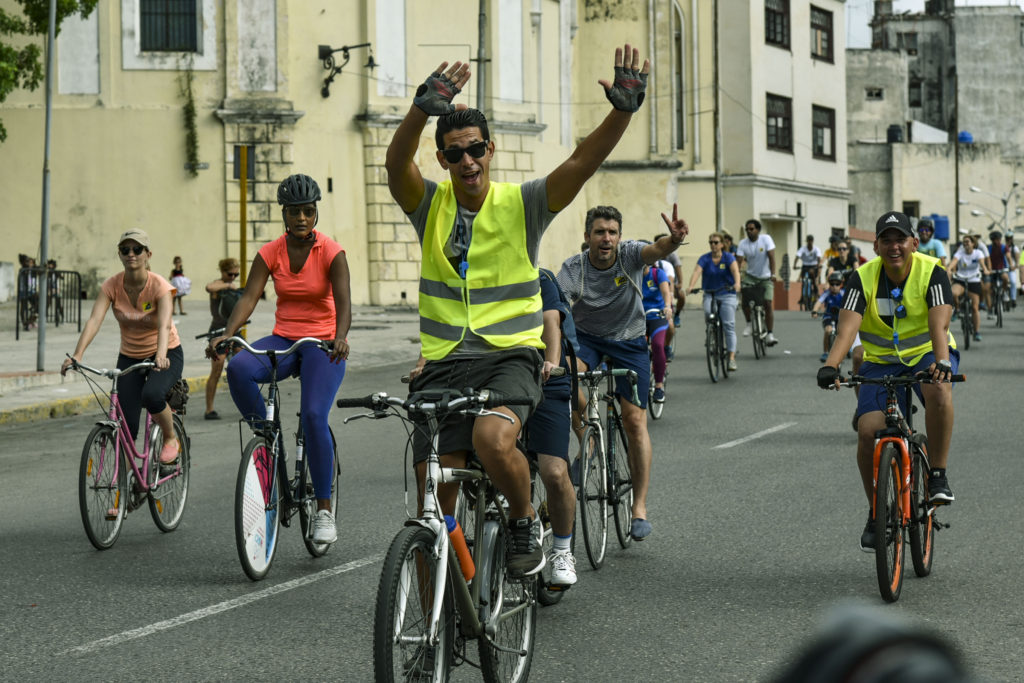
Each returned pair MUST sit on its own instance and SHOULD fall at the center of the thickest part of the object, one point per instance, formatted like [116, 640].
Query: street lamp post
[1004, 199]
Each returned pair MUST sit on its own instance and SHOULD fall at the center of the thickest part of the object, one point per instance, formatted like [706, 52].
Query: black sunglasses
[453, 155]
[232, 274]
[897, 295]
[714, 241]
[296, 211]
[132, 250]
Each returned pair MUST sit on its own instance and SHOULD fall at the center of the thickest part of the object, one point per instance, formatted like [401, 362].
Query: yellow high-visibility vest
[908, 340]
[499, 299]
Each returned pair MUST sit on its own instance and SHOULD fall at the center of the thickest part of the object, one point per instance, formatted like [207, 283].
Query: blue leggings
[320, 382]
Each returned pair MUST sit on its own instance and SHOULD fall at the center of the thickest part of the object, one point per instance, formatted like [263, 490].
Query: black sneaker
[526, 556]
[867, 539]
[938, 490]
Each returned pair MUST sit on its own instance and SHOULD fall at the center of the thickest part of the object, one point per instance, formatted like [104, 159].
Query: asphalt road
[754, 544]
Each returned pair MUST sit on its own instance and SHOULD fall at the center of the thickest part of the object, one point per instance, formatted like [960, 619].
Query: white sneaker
[563, 568]
[746, 330]
[770, 339]
[324, 530]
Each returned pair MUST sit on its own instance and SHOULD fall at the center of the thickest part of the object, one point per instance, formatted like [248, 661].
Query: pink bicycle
[116, 478]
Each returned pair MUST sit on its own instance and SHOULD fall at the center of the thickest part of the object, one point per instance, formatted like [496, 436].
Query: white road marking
[241, 601]
[758, 435]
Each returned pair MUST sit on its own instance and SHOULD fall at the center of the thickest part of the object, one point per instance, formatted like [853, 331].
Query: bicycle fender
[113, 424]
[485, 566]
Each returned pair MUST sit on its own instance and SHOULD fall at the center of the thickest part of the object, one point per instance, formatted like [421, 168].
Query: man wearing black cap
[900, 304]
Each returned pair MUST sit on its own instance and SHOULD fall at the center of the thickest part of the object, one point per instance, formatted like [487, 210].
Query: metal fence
[63, 298]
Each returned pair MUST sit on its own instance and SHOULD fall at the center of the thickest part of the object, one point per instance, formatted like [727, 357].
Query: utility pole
[717, 118]
[481, 58]
[44, 240]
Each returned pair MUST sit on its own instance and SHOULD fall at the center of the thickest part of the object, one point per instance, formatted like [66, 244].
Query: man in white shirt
[757, 252]
[809, 257]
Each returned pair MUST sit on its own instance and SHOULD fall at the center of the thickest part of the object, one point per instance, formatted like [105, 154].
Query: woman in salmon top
[143, 304]
[311, 281]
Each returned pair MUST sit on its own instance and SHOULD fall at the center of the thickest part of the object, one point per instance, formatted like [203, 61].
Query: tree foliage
[21, 64]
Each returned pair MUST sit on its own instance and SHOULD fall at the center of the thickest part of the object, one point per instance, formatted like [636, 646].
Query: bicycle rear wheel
[593, 497]
[307, 508]
[401, 624]
[889, 526]
[167, 499]
[257, 509]
[922, 524]
[102, 488]
[711, 349]
[997, 305]
[620, 483]
[512, 618]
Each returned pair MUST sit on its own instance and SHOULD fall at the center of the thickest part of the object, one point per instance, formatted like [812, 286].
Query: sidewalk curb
[66, 407]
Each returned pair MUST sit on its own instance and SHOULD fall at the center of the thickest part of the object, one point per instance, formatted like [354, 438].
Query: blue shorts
[872, 396]
[550, 425]
[629, 354]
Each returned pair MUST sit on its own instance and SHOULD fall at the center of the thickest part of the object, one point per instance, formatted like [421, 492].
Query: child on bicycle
[828, 306]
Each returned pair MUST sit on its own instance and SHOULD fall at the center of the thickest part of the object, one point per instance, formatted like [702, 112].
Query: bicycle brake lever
[375, 415]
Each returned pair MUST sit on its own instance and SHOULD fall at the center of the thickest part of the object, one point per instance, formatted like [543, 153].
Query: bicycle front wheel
[167, 492]
[656, 408]
[401, 625]
[922, 523]
[620, 483]
[102, 488]
[711, 348]
[257, 509]
[997, 306]
[757, 331]
[889, 526]
[593, 497]
[307, 507]
[506, 657]
[966, 323]
[723, 353]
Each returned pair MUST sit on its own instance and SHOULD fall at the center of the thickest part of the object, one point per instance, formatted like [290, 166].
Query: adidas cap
[894, 220]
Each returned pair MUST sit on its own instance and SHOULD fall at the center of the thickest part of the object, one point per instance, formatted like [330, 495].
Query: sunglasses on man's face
[453, 155]
[714, 241]
[296, 211]
[844, 249]
[232, 274]
[132, 250]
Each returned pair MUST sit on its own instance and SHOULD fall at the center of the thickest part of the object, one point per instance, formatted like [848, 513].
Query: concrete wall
[877, 69]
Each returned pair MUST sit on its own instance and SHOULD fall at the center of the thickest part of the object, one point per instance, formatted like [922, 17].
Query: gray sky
[858, 14]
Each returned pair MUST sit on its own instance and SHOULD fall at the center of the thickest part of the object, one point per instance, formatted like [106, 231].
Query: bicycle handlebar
[111, 374]
[897, 380]
[447, 400]
[224, 345]
[216, 333]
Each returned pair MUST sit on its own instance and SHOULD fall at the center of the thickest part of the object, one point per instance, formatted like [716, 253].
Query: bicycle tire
[711, 350]
[546, 595]
[997, 306]
[257, 509]
[403, 609]
[723, 354]
[102, 486]
[656, 409]
[512, 618]
[757, 332]
[966, 321]
[620, 483]
[307, 506]
[889, 526]
[922, 524]
[593, 496]
[167, 501]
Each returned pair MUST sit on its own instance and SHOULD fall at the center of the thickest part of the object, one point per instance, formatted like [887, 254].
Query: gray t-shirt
[607, 303]
[538, 218]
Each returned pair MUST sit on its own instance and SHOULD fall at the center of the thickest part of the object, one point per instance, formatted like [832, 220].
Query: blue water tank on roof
[941, 224]
[965, 138]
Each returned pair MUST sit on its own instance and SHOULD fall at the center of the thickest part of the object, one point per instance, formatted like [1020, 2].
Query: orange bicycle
[900, 508]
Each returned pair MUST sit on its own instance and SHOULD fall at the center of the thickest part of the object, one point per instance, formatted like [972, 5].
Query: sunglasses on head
[453, 155]
[897, 296]
[296, 211]
[132, 250]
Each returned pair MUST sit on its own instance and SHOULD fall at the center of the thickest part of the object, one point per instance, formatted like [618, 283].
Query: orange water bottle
[458, 540]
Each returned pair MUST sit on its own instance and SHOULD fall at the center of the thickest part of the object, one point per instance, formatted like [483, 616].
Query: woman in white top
[965, 270]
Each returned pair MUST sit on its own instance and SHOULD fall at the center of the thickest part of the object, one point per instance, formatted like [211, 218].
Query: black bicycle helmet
[995, 235]
[298, 189]
[835, 277]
